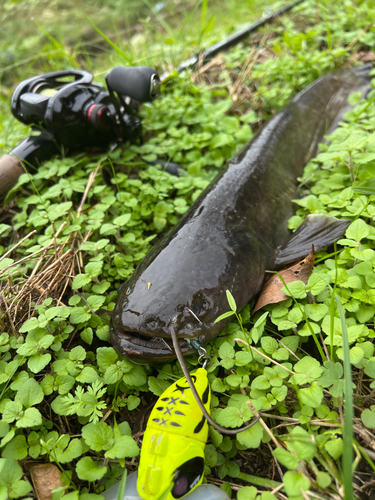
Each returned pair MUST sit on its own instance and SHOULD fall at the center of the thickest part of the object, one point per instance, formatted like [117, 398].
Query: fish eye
[196, 308]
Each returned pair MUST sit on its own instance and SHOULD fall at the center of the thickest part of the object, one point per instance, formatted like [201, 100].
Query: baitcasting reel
[72, 114]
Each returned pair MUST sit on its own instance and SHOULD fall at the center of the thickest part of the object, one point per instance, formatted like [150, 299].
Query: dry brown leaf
[366, 56]
[271, 292]
[45, 477]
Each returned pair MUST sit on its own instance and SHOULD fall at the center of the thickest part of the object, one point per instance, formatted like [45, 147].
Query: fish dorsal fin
[318, 230]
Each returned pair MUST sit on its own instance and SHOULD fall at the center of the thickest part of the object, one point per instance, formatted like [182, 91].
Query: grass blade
[203, 14]
[332, 309]
[160, 18]
[113, 45]
[122, 486]
[348, 435]
[259, 481]
[114, 173]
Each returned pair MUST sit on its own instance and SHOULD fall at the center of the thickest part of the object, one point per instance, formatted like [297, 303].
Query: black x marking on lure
[173, 401]
[167, 411]
[164, 422]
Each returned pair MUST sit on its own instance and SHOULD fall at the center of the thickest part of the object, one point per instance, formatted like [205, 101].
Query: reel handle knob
[141, 83]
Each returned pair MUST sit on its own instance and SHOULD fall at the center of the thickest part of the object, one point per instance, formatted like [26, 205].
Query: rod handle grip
[10, 170]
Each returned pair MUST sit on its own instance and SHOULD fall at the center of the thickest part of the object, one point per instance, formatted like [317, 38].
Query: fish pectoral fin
[318, 230]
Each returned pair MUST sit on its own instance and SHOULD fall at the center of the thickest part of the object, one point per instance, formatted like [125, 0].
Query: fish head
[144, 313]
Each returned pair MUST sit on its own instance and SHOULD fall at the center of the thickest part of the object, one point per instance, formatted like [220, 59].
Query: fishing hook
[204, 357]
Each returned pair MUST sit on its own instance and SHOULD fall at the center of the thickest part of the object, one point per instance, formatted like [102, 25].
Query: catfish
[235, 231]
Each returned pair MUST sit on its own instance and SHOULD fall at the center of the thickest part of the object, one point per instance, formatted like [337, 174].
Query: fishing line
[180, 357]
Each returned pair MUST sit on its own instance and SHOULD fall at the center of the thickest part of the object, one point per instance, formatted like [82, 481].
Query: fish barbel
[235, 231]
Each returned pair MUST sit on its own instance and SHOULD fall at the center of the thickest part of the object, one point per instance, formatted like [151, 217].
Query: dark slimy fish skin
[234, 231]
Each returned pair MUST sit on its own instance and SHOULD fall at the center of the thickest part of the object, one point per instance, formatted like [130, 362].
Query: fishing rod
[224, 45]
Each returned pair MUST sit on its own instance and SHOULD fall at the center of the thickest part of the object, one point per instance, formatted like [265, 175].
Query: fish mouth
[144, 349]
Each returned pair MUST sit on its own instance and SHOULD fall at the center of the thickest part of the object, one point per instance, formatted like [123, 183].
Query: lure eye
[181, 487]
[187, 476]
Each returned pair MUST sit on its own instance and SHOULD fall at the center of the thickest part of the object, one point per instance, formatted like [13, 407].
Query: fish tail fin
[318, 230]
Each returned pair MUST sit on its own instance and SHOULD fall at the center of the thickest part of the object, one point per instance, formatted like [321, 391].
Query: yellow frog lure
[172, 455]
